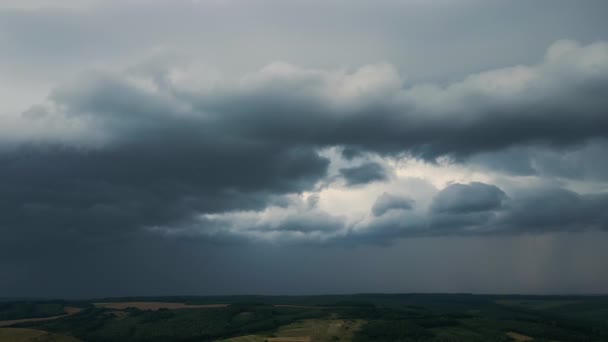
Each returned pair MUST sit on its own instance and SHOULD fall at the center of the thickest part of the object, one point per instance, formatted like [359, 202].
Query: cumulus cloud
[490, 213]
[559, 102]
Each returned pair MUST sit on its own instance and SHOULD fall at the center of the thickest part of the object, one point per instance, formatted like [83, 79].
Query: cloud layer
[206, 146]
[149, 150]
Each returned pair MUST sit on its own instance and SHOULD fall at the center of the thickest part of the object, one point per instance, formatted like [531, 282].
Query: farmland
[358, 318]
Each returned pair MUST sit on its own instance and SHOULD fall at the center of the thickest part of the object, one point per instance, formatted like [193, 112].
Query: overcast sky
[303, 147]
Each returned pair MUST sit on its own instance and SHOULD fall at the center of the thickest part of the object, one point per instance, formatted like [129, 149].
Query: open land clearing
[309, 330]
[153, 306]
[69, 310]
[32, 335]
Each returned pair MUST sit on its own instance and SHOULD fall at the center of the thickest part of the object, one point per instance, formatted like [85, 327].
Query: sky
[303, 147]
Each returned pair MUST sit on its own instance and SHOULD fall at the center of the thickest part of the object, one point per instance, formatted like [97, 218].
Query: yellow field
[32, 335]
[310, 330]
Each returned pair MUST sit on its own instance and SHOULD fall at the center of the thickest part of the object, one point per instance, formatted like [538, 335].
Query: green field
[358, 318]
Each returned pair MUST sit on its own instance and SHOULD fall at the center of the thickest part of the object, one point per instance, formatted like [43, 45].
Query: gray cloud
[135, 186]
[536, 210]
[53, 37]
[503, 108]
[363, 174]
[557, 209]
[164, 152]
[568, 163]
[155, 169]
[459, 210]
[170, 150]
[467, 198]
[558, 103]
[388, 202]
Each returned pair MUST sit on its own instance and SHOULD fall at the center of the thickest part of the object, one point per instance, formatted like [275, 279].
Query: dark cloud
[467, 198]
[386, 202]
[156, 167]
[557, 209]
[459, 210]
[557, 103]
[173, 176]
[568, 163]
[534, 210]
[164, 153]
[363, 174]
[350, 153]
[483, 209]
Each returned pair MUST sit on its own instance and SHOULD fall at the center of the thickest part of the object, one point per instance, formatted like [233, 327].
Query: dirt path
[70, 311]
[155, 305]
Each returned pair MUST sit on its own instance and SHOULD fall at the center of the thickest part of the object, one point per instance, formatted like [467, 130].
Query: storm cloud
[140, 150]
[244, 125]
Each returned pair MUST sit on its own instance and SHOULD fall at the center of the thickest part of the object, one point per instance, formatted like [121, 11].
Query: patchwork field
[32, 335]
[153, 306]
